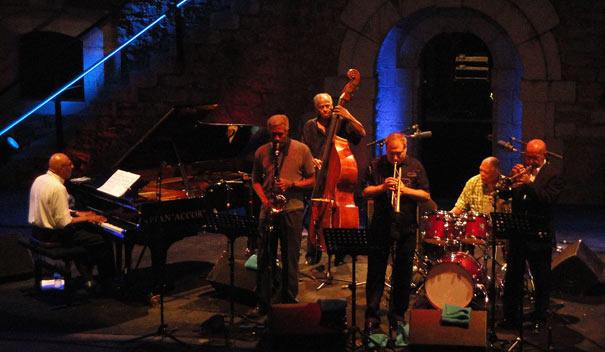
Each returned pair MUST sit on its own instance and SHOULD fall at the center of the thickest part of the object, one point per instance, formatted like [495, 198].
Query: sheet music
[119, 183]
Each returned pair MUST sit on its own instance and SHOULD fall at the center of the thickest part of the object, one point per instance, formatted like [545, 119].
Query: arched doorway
[387, 38]
[455, 104]
[415, 71]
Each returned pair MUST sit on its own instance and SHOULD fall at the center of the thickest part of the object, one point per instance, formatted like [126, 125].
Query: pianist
[53, 221]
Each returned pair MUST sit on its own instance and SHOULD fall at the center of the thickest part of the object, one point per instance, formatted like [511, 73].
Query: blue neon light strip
[26, 115]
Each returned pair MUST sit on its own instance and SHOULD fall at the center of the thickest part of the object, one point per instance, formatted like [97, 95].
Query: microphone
[507, 145]
[420, 135]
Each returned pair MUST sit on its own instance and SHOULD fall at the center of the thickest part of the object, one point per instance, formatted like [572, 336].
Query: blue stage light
[87, 71]
[12, 142]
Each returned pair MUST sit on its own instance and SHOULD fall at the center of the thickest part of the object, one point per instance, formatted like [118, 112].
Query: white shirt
[48, 202]
[535, 171]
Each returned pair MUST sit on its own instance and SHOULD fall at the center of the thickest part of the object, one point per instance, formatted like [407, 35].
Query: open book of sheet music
[119, 183]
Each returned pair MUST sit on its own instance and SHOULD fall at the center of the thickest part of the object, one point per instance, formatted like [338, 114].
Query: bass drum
[453, 280]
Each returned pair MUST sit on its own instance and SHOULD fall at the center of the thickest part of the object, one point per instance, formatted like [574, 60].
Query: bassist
[315, 135]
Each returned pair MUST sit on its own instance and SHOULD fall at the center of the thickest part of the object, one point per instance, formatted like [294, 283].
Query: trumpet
[396, 195]
[506, 183]
[524, 170]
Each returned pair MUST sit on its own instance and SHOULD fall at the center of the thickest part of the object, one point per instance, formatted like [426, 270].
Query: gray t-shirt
[295, 163]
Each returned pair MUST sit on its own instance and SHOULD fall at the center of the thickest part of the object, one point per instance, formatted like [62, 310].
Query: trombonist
[402, 179]
[286, 172]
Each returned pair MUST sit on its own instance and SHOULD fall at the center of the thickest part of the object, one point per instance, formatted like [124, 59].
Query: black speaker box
[244, 283]
[15, 260]
[576, 269]
[305, 327]
[427, 333]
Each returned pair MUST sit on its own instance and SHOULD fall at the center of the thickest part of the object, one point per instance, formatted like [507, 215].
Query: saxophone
[278, 200]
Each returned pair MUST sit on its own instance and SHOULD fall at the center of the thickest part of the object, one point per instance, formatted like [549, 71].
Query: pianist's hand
[91, 216]
[98, 219]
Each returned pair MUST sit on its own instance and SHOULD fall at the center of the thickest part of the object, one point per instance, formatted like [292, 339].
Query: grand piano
[188, 168]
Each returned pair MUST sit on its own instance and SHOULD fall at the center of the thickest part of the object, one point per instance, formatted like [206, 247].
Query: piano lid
[214, 146]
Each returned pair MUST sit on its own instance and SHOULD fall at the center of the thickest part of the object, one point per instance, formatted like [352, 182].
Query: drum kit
[455, 258]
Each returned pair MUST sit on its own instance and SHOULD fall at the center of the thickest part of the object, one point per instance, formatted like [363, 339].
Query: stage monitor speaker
[427, 333]
[576, 269]
[309, 326]
[15, 260]
[244, 280]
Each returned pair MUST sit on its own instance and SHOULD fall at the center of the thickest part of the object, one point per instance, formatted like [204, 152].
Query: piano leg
[159, 254]
[128, 247]
[118, 255]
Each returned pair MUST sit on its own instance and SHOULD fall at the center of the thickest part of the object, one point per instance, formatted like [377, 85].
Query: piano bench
[52, 256]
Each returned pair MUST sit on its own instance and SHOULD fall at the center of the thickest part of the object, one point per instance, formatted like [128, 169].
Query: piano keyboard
[113, 229]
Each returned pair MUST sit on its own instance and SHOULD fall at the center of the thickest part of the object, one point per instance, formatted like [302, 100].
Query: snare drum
[439, 227]
[453, 280]
[474, 228]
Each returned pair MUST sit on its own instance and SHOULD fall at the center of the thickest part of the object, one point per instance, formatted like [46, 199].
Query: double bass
[332, 200]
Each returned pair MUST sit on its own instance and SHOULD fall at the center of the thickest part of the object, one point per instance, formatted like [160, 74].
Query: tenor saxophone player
[286, 172]
[534, 190]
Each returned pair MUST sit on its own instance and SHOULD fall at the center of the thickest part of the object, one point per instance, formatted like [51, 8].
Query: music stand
[354, 242]
[232, 226]
[519, 227]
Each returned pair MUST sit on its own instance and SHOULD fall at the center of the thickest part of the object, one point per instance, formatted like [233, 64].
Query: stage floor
[38, 322]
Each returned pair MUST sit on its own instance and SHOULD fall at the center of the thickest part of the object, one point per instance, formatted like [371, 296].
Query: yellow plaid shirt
[476, 197]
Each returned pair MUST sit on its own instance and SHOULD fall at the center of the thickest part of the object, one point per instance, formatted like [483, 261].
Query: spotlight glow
[12, 142]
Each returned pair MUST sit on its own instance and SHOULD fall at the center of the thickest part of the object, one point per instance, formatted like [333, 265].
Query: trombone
[397, 192]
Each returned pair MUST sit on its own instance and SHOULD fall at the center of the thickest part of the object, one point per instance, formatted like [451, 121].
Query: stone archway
[519, 36]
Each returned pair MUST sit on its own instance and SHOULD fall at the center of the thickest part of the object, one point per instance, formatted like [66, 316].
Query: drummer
[478, 193]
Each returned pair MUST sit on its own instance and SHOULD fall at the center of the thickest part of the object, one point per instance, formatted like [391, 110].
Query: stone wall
[259, 57]
[579, 112]
[251, 59]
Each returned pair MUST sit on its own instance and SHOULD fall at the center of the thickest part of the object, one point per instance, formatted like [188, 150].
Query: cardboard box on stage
[428, 334]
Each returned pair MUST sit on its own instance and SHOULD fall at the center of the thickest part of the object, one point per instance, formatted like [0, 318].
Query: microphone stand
[162, 330]
[381, 142]
[548, 153]
[492, 337]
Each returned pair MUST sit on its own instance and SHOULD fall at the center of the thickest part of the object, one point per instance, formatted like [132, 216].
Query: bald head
[491, 161]
[537, 145]
[535, 153]
[61, 165]
[489, 170]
